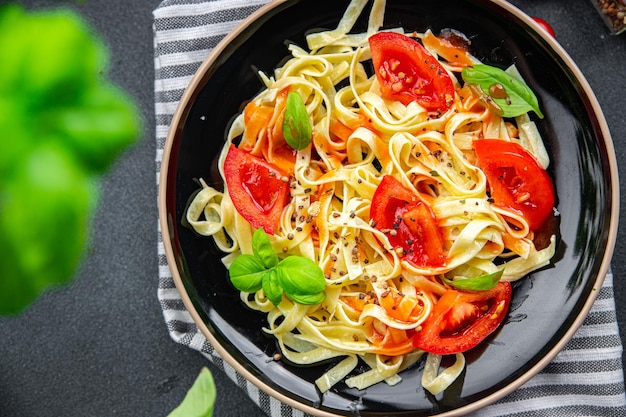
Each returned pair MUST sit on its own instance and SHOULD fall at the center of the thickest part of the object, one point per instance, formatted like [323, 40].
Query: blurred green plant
[62, 124]
[200, 398]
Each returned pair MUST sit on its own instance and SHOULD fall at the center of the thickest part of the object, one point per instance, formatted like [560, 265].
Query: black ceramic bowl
[547, 307]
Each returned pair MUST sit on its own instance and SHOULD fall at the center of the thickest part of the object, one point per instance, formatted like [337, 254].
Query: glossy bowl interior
[547, 307]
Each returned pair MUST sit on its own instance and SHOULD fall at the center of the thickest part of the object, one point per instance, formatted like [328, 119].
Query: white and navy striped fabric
[585, 379]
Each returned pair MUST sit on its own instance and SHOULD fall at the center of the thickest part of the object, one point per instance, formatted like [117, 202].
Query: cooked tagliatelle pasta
[376, 163]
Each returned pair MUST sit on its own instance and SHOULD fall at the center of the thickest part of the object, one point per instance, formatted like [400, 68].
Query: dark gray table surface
[99, 347]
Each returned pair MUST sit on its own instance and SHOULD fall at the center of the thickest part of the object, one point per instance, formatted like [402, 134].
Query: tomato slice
[407, 72]
[461, 320]
[409, 223]
[256, 188]
[545, 25]
[516, 181]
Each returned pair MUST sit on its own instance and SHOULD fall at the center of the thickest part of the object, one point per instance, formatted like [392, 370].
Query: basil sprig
[63, 123]
[481, 283]
[296, 124]
[516, 96]
[200, 399]
[299, 278]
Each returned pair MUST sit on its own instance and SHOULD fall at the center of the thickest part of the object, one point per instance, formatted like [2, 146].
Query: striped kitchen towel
[586, 378]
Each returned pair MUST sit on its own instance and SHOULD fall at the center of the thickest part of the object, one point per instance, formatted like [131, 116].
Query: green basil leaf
[271, 287]
[97, 127]
[246, 273]
[48, 199]
[481, 283]
[299, 275]
[67, 123]
[262, 248]
[296, 124]
[307, 299]
[200, 398]
[518, 97]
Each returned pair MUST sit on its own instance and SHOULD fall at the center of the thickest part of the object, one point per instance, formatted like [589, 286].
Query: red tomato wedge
[407, 72]
[256, 188]
[461, 320]
[516, 181]
[409, 223]
[545, 25]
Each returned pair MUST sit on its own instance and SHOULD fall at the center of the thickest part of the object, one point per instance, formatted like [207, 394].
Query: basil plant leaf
[481, 283]
[246, 273]
[97, 127]
[296, 123]
[63, 123]
[271, 287]
[263, 250]
[48, 200]
[512, 97]
[200, 398]
[307, 299]
[301, 276]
